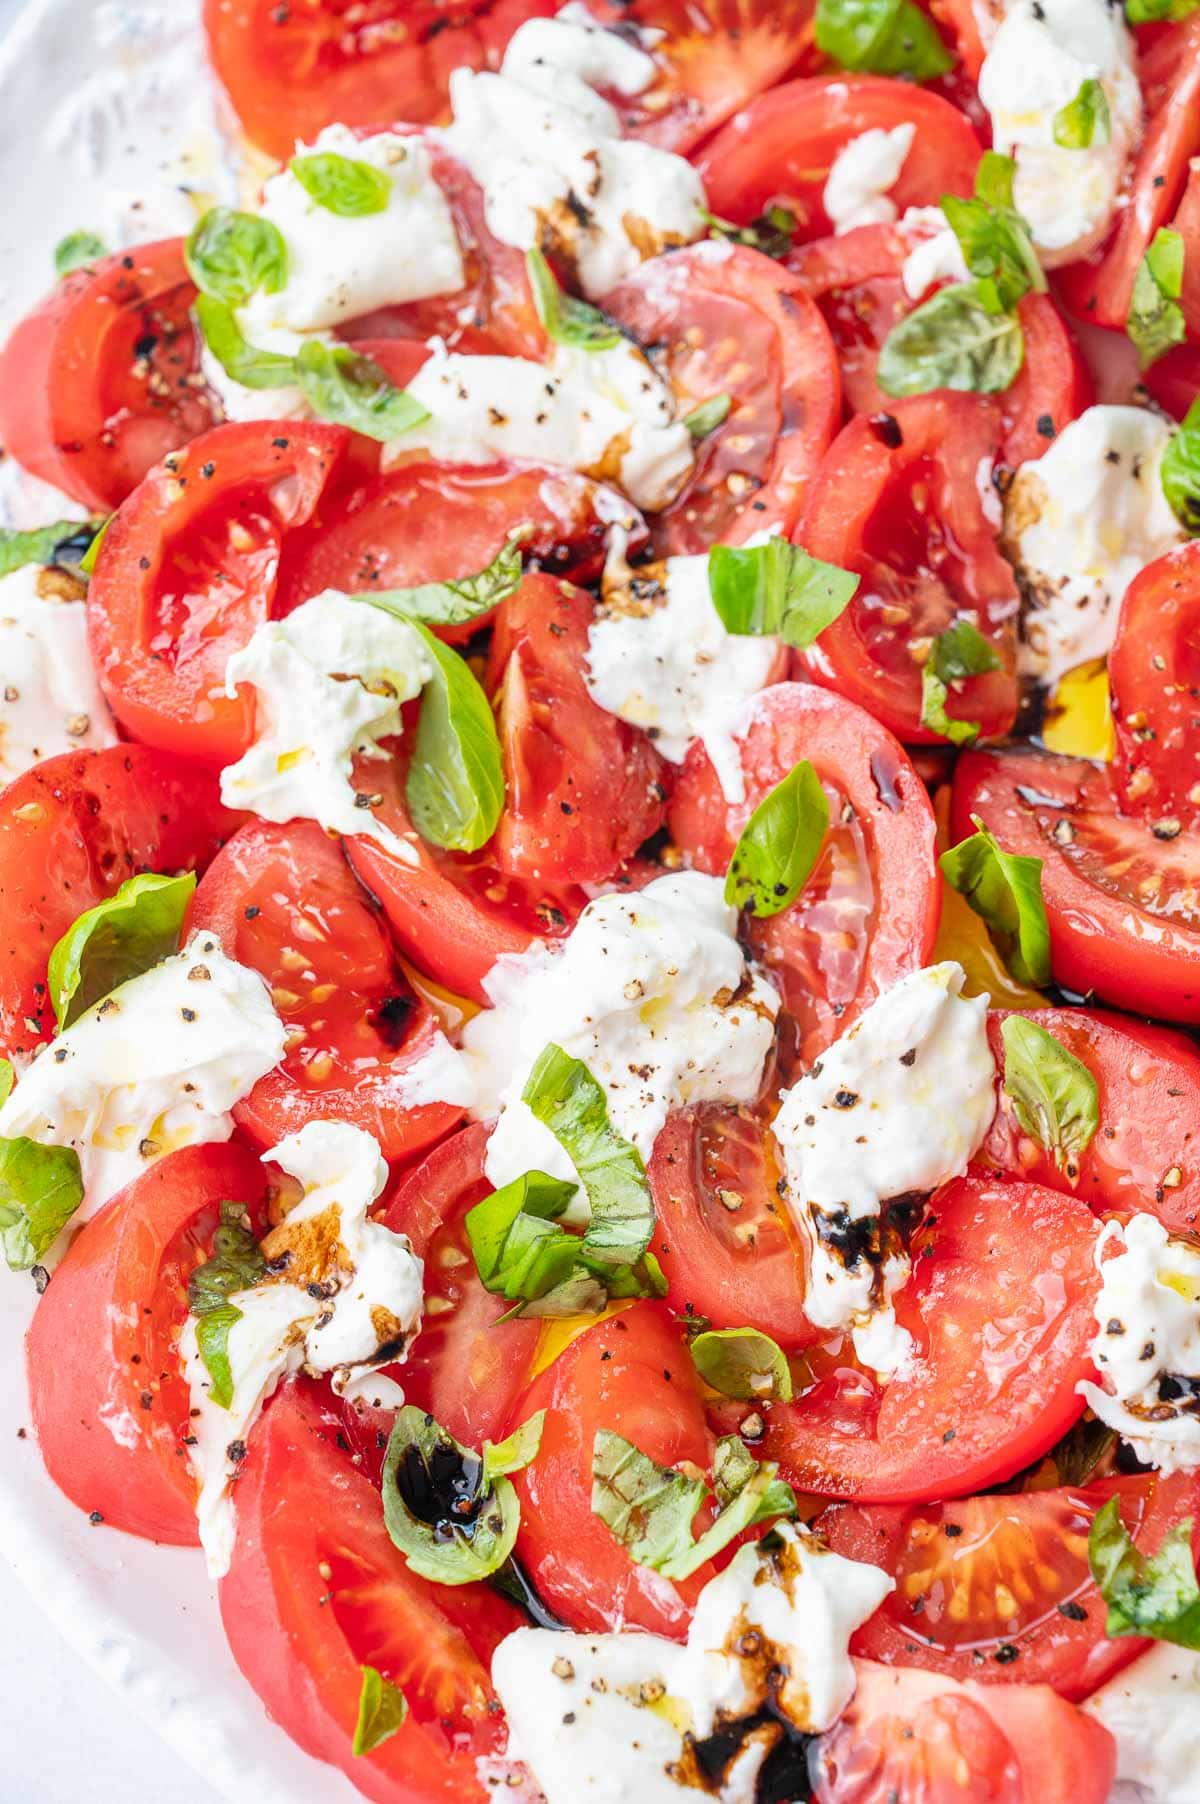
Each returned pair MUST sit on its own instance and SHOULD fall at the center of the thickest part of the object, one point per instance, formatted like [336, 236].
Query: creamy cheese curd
[367, 1309]
[898, 1105]
[547, 151]
[239, 403]
[1150, 1709]
[1040, 56]
[603, 1717]
[606, 413]
[936, 254]
[329, 681]
[50, 701]
[862, 175]
[1079, 524]
[157, 1065]
[651, 991]
[1147, 1348]
[659, 657]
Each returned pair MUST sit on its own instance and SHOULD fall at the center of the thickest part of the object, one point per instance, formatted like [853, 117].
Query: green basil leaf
[76, 249]
[952, 340]
[708, 416]
[1005, 891]
[231, 256]
[455, 784]
[771, 233]
[1155, 320]
[1085, 120]
[8, 1078]
[1081, 1450]
[1146, 12]
[520, 1449]
[779, 845]
[884, 37]
[39, 545]
[241, 361]
[733, 1467]
[994, 239]
[566, 320]
[1054, 1094]
[212, 1342]
[421, 1460]
[1155, 1594]
[464, 599]
[87, 562]
[120, 938]
[41, 1187]
[564, 1096]
[777, 589]
[961, 651]
[649, 1509]
[343, 185]
[1181, 470]
[742, 1363]
[341, 385]
[235, 1264]
[382, 1708]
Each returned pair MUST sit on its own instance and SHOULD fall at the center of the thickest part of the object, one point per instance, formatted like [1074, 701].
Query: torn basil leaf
[212, 1341]
[343, 185]
[519, 1450]
[882, 37]
[1005, 890]
[771, 233]
[1053, 1093]
[1147, 12]
[455, 785]
[952, 340]
[566, 320]
[708, 416]
[650, 1509]
[777, 589]
[39, 545]
[779, 845]
[1147, 1594]
[242, 362]
[382, 1708]
[995, 241]
[564, 1096]
[456, 602]
[1086, 120]
[41, 1187]
[960, 652]
[1155, 320]
[77, 249]
[120, 938]
[232, 255]
[235, 1264]
[87, 562]
[1181, 470]
[452, 1521]
[8, 1078]
[1081, 1450]
[341, 385]
[742, 1363]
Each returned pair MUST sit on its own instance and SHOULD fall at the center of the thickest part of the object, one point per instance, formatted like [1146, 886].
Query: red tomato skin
[192, 558]
[72, 829]
[74, 409]
[1174, 380]
[865, 767]
[108, 1401]
[301, 1640]
[1153, 669]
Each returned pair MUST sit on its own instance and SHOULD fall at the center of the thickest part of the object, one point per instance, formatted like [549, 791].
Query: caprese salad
[601, 729]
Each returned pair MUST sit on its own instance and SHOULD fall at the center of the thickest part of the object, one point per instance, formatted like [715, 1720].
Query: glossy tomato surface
[1154, 671]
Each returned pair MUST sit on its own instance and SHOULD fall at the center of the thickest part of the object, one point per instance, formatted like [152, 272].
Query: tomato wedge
[1154, 672]
[110, 1405]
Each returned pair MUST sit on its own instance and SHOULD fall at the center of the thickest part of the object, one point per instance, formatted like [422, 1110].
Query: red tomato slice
[317, 1590]
[1143, 1156]
[102, 379]
[959, 18]
[998, 1587]
[1121, 903]
[72, 829]
[728, 321]
[631, 1374]
[189, 568]
[869, 912]
[781, 147]
[1154, 670]
[283, 901]
[1174, 381]
[898, 499]
[910, 1737]
[584, 788]
[110, 1405]
[1000, 1306]
[291, 70]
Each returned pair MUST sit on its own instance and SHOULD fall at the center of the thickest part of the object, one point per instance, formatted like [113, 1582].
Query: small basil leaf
[231, 256]
[120, 938]
[87, 562]
[343, 185]
[212, 1342]
[235, 1264]
[1085, 120]
[37, 546]
[952, 340]
[566, 320]
[8, 1078]
[1053, 1093]
[1181, 470]
[960, 652]
[564, 1096]
[1005, 891]
[1154, 1595]
[771, 233]
[1155, 321]
[76, 249]
[241, 361]
[1081, 1451]
[382, 1708]
[742, 1363]
[779, 845]
[520, 1449]
[464, 599]
[351, 390]
[995, 241]
[1147, 12]
[455, 784]
[884, 37]
[41, 1187]
[777, 589]
[733, 1467]
[460, 1529]
[708, 416]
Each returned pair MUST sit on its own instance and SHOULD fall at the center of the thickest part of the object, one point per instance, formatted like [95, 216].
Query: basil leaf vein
[564, 1096]
[952, 340]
